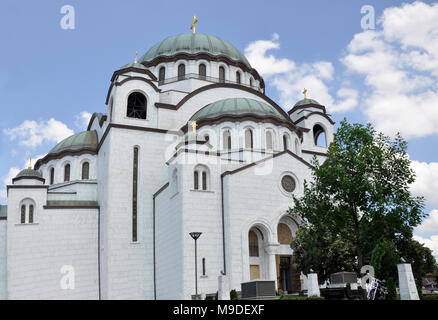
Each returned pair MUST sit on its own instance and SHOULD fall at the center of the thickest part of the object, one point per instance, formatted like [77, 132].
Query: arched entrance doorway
[257, 254]
[288, 277]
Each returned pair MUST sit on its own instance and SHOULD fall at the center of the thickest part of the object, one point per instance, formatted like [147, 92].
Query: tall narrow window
[249, 140]
[285, 142]
[67, 173]
[52, 175]
[111, 110]
[297, 146]
[221, 74]
[136, 106]
[196, 180]
[181, 71]
[238, 77]
[204, 180]
[268, 140]
[161, 75]
[203, 267]
[175, 181]
[319, 136]
[134, 195]
[253, 244]
[85, 171]
[202, 71]
[23, 214]
[31, 213]
[250, 82]
[227, 140]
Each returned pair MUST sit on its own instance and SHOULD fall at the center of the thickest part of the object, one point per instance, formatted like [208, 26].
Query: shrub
[233, 295]
[432, 296]
[392, 291]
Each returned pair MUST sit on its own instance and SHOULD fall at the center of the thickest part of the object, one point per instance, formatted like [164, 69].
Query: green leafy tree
[359, 197]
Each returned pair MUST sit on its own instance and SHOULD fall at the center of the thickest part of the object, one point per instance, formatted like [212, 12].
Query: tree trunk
[357, 234]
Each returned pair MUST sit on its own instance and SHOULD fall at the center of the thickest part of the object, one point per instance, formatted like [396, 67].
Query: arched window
[204, 180]
[23, 214]
[285, 142]
[201, 172]
[161, 75]
[268, 140]
[249, 139]
[52, 175]
[202, 71]
[67, 172]
[136, 106]
[319, 136]
[196, 180]
[85, 171]
[221, 74]
[227, 140]
[181, 71]
[31, 213]
[238, 77]
[284, 234]
[253, 240]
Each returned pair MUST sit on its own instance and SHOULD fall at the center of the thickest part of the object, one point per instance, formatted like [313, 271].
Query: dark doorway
[285, 274]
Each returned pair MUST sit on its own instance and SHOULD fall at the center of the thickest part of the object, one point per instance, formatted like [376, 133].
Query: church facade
[189, 142]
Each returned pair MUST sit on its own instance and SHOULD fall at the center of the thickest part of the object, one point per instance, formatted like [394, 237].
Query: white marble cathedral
[189, 142]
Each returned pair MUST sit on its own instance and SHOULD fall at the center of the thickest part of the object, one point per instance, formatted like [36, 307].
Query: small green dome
[192, 44]
[304, 102]
[234, 106]
[133, 65]
[81, 140]
[29, 173]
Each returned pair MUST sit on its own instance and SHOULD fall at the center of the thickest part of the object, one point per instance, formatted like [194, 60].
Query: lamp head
[195, 235]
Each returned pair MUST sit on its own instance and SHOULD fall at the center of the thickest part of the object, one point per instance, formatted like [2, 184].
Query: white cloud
[431, 243]
[31, 133]
[399, 63]
[426, 183]
[267, 64]
[82, 119]
[289, 78]
[7, 180]
[429, 225]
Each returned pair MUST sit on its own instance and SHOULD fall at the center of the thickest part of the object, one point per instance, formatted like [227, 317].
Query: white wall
[38, 251]
[255, 197]
[3, 260]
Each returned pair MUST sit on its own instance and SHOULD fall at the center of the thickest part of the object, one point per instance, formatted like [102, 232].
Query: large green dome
[237, 106]
[192, 44]
[81, 140]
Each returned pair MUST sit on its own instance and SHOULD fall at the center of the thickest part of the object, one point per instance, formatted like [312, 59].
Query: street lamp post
[195, 236]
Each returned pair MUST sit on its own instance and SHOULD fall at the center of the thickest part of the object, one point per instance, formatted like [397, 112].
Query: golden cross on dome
[305, 93]
[194, 125]
[193, 25]
[136, 54]
[30, 163]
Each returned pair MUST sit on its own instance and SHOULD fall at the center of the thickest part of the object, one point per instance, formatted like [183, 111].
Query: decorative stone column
[408, 288]
[271, 250]
[312, 285]
[223, 288]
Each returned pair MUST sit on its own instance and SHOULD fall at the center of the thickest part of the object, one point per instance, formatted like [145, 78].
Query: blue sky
[51, 78]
